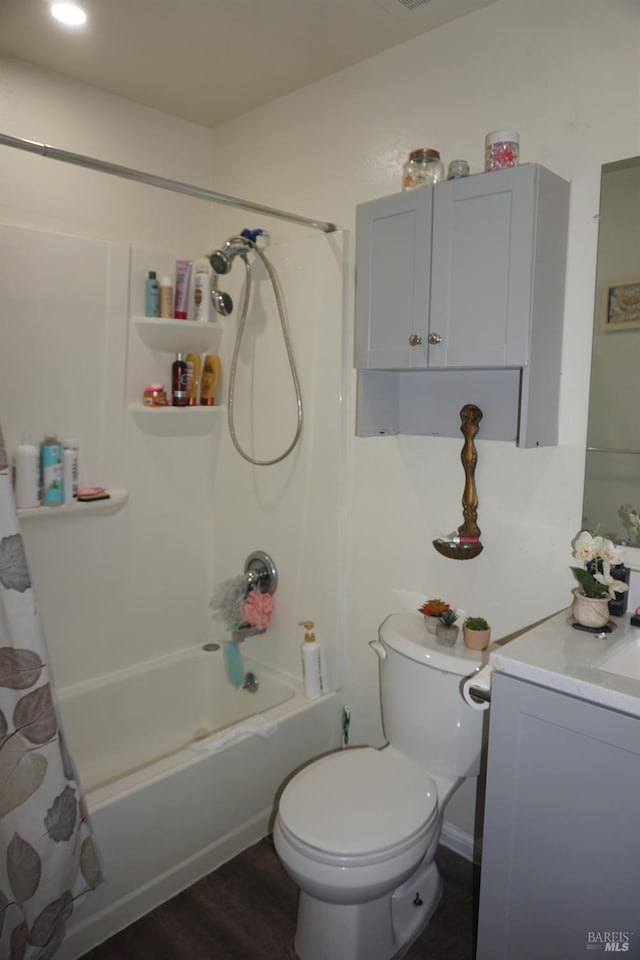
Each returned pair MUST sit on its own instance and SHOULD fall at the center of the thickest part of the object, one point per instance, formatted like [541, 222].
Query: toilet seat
[362, 804]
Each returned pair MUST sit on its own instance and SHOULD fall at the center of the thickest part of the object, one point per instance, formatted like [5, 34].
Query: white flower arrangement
[601, 554]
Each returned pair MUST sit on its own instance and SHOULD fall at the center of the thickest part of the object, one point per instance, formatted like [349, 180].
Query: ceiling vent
[403, 8]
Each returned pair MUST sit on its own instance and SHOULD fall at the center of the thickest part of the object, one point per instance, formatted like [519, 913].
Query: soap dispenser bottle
[311, 665]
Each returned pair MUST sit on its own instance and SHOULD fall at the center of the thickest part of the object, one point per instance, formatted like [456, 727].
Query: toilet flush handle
[379, 649]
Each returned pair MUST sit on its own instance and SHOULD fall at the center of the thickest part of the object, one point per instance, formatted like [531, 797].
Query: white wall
[564, 74]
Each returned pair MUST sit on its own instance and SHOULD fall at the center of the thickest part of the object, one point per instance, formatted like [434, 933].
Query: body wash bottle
[311, 662]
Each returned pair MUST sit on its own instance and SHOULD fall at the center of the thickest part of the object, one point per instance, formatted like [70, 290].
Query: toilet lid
[359, 801]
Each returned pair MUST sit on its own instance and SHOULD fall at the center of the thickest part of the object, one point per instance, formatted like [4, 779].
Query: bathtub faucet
[251, 682]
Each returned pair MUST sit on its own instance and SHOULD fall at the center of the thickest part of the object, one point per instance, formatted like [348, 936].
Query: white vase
[589, 611]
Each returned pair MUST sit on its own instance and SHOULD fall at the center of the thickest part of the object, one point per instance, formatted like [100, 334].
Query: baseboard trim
[461, 842]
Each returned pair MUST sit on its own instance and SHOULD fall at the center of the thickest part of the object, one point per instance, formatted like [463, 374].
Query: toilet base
[378, 930]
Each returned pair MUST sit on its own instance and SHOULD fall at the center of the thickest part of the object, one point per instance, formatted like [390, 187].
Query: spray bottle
[311, 663]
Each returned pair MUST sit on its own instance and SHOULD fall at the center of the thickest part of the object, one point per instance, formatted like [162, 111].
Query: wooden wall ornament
[470, 417]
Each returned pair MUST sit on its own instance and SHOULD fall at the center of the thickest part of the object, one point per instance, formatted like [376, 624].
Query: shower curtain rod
[53, 153]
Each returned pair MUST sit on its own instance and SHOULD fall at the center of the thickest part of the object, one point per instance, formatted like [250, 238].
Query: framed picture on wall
[620, 305]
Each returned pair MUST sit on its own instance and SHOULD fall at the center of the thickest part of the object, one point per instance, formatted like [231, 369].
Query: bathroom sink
[623, 659]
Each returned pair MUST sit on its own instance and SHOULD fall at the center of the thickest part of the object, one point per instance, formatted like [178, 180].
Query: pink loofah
[257, 609]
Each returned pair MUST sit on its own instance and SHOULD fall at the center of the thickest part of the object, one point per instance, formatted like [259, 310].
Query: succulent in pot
[432, 610]
[476, 633]
[447, 628]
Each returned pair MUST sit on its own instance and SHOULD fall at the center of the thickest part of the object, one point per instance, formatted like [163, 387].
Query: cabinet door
[482, 267]
[561, 847]
[392, 298]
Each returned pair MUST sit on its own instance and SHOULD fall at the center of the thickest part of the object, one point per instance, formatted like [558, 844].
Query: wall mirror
[612, 474]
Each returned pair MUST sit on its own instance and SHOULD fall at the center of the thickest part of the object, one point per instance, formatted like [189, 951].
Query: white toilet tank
[423, 713]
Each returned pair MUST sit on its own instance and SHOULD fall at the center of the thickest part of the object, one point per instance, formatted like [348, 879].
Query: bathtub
[180, 772]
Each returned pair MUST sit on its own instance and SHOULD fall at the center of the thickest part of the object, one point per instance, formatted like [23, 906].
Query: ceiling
[211, 60]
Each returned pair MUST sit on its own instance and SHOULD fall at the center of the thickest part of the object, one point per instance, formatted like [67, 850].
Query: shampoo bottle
[311, 663]
[210, 374]
[27, 475]
[179, 381]
[152, 296]
[193, 384]
[70, 470]
[51, 471]
[166, 297]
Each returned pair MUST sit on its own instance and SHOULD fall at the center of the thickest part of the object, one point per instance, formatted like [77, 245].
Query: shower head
[222, 260]
[222, 302]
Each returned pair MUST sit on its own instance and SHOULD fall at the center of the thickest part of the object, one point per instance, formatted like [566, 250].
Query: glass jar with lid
[502, 149]
[423, 168]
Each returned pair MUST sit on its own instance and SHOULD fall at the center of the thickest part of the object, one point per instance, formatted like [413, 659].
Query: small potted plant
[476, 633]
[432, 610]
[447, 629]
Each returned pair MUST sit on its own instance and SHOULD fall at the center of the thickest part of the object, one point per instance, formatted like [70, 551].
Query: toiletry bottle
[51, 463]
[181, 293]
[166, 297]
[70, 470]
[193, 384]
[202, 291]
[311, 664]
[152, 296]
[179, 381]
[210, 374]
[27, 474]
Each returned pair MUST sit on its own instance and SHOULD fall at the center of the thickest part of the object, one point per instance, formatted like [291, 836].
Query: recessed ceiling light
[69, 13]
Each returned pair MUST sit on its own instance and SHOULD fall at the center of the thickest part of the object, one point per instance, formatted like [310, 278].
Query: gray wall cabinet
[467, 278]
[561, 848]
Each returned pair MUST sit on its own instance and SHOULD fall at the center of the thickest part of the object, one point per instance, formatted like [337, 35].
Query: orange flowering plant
[434, 608]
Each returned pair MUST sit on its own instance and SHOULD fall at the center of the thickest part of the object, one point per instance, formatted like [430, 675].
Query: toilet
[358, 830]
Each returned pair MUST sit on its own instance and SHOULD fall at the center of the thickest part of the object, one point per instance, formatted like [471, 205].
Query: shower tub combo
[180, 772]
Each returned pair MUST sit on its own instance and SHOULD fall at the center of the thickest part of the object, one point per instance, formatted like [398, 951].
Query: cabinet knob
[415, 340]
[434, 338]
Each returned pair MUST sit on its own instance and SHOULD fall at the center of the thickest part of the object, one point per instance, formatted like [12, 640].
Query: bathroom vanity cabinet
[561, 854]
[464, 278]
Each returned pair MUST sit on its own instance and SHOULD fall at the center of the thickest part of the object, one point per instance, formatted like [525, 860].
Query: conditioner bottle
[311, 662]
[210, 374]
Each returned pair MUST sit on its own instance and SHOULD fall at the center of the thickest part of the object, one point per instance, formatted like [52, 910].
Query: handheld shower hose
[241, 245]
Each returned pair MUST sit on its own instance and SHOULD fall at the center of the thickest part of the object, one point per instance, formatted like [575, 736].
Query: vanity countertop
[553, 654]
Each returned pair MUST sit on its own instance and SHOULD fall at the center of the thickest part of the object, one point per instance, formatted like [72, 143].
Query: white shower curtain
[47, 855]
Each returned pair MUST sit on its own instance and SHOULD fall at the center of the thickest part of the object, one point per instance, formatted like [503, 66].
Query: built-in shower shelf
[117, 499]
[176, 421]
[179, 336]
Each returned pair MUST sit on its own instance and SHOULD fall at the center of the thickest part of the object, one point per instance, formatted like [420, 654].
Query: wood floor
[246, 910]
